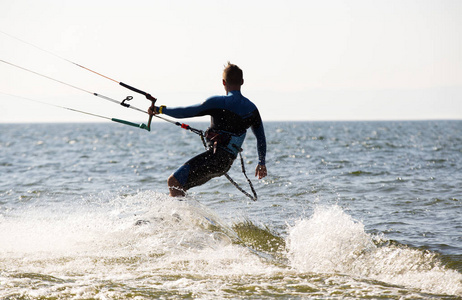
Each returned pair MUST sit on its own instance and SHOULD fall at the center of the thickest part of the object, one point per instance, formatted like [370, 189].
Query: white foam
[101, 237]
[333, 242]
[183, 246]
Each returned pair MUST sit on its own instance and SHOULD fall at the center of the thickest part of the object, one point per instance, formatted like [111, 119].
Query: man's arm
[259, 133]
[187, 111]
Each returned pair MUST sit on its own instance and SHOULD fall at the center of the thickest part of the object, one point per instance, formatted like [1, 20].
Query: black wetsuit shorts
[203, 167]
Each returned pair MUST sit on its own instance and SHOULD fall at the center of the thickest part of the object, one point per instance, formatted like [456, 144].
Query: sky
[302, 60]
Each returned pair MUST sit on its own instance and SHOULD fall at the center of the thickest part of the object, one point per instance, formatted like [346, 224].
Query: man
[231, 116]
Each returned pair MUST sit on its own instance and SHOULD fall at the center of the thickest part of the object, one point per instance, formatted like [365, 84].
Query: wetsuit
[231, 116]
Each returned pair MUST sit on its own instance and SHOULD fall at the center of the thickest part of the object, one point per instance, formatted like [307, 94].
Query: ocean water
[349, 210]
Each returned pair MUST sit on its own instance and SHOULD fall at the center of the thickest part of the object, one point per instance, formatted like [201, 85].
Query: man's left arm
[259, 133]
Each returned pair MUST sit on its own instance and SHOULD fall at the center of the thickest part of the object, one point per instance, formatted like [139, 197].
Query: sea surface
[349, 210]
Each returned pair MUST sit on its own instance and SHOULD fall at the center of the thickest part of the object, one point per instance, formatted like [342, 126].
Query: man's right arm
[189, 111]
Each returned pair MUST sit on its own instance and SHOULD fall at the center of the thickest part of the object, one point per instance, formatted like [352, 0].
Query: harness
[232, 143]
[228, 141]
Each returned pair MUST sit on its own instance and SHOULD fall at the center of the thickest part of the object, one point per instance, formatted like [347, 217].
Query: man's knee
[175, 187]
[172, 181]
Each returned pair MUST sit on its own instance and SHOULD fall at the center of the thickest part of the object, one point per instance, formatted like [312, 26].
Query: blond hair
[232, 74]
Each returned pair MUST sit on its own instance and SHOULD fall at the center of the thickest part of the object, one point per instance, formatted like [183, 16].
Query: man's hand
[260, 171]
[152, 111]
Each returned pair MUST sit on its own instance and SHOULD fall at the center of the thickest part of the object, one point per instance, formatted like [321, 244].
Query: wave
[331, 241]
[150, 245]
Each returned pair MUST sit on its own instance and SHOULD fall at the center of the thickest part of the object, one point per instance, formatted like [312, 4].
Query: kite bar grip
[148, 96]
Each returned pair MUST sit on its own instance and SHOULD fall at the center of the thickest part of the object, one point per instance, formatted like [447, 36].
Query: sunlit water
[349, 210]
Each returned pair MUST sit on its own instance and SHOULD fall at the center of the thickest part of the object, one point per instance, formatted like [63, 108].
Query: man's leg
[175, 187]
[198, 170]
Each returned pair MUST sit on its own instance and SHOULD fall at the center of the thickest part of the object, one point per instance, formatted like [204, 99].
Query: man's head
[232, 77]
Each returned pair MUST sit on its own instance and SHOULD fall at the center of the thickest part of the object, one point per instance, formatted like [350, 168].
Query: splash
[333, 242]
[146, 246]
[143, 223]
[147, 241]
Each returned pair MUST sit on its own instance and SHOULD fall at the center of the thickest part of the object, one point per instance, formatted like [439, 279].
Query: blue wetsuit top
[232, 114]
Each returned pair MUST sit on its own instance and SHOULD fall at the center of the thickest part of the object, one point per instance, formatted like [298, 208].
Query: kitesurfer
[231, 116]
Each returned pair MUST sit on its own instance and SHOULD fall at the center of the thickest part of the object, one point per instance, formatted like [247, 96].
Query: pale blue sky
[302, 60]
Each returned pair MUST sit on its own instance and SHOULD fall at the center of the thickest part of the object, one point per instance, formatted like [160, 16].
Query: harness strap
[254, 197]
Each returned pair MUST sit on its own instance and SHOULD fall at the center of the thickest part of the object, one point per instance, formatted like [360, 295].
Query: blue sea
[349, 210]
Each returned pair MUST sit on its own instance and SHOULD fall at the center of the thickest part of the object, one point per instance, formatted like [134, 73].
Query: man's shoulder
[217, 99]
[249, 105]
